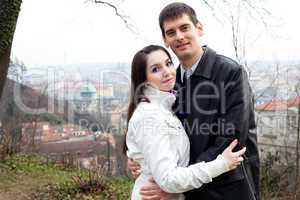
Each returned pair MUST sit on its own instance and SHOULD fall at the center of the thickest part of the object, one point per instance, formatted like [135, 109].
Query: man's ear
[165, 42]
[199, 28]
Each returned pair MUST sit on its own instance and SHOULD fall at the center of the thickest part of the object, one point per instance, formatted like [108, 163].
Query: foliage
[270, 177]
[35, 166]
[48, 117]
[276, 178]
[62, 183]
[115, 188]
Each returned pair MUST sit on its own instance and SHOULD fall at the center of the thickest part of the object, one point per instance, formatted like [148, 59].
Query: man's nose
[179, 35]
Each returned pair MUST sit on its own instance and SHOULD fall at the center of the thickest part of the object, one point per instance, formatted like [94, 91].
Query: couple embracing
[191, 131]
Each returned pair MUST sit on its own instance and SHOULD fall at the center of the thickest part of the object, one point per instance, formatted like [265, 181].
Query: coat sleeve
[153, 136]
[235, 121]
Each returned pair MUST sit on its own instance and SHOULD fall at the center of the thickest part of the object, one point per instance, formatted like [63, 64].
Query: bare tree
[254, 8]
[238, 14]
[126, 19]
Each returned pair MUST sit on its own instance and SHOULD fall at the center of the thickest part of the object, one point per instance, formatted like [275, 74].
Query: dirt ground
[20, 188]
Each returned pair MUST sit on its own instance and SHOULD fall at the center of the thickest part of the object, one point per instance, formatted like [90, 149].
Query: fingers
[232, 145]
[155, 197]
[132, 164]
[240, 159]
[236, 162]
[240, 152]
[134, 168]
[155, 194]
[135, 173]
[150, 187]
[150, 191]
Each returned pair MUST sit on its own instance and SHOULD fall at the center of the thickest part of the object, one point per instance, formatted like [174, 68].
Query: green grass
[32, 177]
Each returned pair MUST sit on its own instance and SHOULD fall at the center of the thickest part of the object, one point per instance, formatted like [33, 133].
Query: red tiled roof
[279, 104]
[272, 105]
[294, 101]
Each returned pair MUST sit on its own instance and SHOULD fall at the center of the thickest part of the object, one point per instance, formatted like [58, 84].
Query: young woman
[156, 138]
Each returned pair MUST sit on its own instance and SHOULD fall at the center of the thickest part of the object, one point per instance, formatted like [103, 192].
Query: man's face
[181, 35]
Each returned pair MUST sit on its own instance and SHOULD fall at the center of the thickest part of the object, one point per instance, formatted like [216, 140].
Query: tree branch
[124, 18]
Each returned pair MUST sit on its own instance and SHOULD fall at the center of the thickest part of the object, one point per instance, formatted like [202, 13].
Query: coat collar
[161, 98]
[205, 66]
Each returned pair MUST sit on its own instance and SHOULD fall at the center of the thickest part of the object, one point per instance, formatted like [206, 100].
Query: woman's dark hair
[139, 77]
[175, 10]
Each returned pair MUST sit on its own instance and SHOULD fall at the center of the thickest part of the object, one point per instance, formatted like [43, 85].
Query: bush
[276, 178]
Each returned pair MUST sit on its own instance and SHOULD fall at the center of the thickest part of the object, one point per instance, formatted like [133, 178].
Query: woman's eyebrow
[155, 64]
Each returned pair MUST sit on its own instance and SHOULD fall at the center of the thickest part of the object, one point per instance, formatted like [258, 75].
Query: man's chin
[183, 55]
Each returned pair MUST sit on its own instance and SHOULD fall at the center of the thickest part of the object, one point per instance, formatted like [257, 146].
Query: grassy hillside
[25, 177]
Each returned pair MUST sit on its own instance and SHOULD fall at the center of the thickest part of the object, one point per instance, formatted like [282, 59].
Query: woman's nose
[167, 71]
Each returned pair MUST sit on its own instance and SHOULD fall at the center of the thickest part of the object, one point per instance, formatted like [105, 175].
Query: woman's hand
[233, 159]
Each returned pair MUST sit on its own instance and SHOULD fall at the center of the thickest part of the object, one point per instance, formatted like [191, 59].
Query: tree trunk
[4, 64]
[9, 12]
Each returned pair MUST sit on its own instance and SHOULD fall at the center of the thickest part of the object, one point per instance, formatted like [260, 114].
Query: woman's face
[160, 71]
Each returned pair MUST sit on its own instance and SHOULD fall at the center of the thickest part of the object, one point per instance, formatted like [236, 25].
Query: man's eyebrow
[184, 25]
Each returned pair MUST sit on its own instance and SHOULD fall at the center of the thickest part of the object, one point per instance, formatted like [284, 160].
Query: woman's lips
[168, 80]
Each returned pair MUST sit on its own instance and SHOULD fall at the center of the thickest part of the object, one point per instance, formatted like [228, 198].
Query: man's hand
[152, 191]
[134, 168]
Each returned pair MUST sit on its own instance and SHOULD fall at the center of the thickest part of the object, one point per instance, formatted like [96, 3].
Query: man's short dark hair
[175, 10]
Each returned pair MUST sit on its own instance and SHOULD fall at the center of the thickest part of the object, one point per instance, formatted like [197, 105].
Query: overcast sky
[61, 32]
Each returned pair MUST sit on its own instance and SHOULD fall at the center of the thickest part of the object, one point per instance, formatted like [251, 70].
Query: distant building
[105, 91]
[85, 153]
[43, 132]
[277, 126]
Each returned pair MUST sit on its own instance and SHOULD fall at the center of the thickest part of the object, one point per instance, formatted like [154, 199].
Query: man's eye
[171, 33]
[185, 28]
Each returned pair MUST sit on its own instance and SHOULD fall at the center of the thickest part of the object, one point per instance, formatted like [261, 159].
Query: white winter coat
[157, 140]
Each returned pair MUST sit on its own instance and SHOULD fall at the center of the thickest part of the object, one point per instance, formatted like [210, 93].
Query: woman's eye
[169, 64]
[154, 69]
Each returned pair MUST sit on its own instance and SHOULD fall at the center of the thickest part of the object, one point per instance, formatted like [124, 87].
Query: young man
[215, 105]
